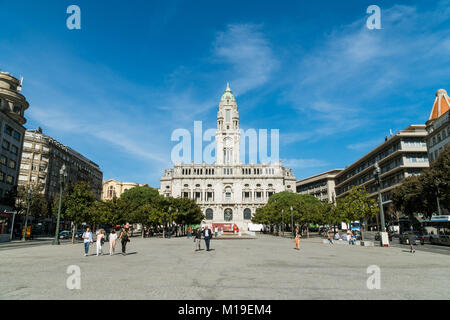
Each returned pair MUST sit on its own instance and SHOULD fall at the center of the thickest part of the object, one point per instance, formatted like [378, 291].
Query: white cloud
[360, 146]
[303, 163]
[246, 49]
[340, 85]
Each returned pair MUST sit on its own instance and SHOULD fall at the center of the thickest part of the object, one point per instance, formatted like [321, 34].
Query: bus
[437, 230]
[354, 225]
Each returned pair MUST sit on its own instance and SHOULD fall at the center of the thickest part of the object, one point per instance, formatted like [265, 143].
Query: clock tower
[228, 135]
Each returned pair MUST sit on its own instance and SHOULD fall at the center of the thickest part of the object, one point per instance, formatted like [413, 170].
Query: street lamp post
[384, 236]
[62, 181]
[292, 223]
[170, 223]
[282, 221]
[29, 197]
[436, 182]
[176, 215]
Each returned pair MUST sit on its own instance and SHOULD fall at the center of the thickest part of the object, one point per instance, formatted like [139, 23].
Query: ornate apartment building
[321, 185]
[228, 192]
[12, 106]
[43, 157]
[438, 125]
[113, 188]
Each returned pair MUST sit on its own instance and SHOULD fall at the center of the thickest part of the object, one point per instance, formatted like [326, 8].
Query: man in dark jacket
[197, 239]
[411, 240]
[207, 235]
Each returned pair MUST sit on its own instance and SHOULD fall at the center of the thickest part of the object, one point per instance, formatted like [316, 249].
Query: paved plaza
[263, 268]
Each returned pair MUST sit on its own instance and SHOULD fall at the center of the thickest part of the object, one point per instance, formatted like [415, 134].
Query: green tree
[409, 196]
[357, 205]
[306, 209]
[132, 200]
[77, 203]
[418, 194]
[39, 206]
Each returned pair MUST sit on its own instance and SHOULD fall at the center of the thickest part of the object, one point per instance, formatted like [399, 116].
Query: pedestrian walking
[124, 237]
[207, 235]
[100, 240]
[411, 240]
[87, 237]
[216, 232]
[189, 230]
[330, 237]
[112, 242]
[297, 239]
[197, 239]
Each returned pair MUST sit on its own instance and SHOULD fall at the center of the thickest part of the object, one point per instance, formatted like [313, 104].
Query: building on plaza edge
[228, 192]
[12, 118]
[438, 125]
[113, 188]
[401, 155]
[320, 185]
[42, 159]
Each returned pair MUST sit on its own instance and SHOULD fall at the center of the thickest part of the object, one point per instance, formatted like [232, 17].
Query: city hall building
[228, 191]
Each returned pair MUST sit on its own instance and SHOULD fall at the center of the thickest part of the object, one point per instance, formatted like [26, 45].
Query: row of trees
[143, 205]
[419, 194]
[307, 209]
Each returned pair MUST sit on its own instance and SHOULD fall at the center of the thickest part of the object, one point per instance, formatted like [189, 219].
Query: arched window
[111, 191]
[209, 214]
[247, 214]
[228, 193]
[228, 214]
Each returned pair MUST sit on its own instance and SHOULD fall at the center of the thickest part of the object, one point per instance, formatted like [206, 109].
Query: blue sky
[116, 89]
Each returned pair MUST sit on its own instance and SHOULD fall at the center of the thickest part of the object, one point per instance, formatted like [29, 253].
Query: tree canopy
[418, 194]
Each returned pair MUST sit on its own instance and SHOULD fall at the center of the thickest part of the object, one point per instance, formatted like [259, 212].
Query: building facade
[113, 188]
[399, 156]
[438, 125]
[42, 159]
[12, 107]
[228, 191]
[321, 185]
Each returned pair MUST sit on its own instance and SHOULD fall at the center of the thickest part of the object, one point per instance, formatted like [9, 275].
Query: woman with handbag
[124, 238]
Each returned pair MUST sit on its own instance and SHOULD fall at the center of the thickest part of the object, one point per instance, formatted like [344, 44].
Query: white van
[255, 227]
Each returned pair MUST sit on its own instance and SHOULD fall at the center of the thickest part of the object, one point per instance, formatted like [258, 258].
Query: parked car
[79, 234]
[378, 236]
[418, 237]
[66, 234]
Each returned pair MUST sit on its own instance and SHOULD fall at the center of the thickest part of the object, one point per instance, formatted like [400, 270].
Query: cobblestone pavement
[263, 268]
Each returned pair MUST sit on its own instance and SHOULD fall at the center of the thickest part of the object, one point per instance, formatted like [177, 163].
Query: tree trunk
[362, 230]
[74, 228]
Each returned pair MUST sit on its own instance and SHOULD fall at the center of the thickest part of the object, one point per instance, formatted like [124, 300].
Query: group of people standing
[349, 236]
[124, 238]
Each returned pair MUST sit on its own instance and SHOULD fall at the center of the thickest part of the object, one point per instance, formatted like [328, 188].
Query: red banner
[224, 226]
